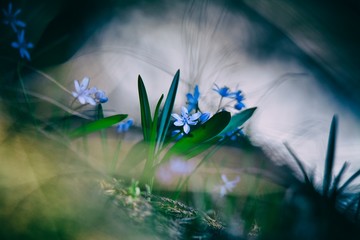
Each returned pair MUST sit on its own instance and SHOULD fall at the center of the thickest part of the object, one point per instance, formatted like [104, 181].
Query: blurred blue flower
[179, 134]
[22, 45]
[233, 135]
[239, 98]
[101, 97]
[228, 186]
[185, 119]
[175, 168]
[224, 91]
[204, 117]
[83, 93]
[124, 126]
[10, 18]
[192, 100]
[239, 105]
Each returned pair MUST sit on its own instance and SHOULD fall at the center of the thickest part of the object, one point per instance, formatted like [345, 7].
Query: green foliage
[97, 125]
[200, 136]
[165, 116]
[238, 120]
[144, 110]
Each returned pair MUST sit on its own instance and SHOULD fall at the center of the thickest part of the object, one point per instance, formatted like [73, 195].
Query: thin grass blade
[334, 189]
[330, 157]
[298, 162]
[349, 181]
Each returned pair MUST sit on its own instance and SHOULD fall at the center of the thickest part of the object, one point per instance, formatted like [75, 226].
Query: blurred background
[297, 61]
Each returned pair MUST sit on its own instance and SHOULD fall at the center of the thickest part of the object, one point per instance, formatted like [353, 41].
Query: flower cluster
[225, 92]
[124, 126]
[10, 17]
[186, 119]
[88, 95]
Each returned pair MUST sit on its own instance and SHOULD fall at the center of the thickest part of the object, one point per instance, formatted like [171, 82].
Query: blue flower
[186, 119]
[10, 18]
[124, 126]
[83, 93]
[22, 45]
[239, 105]
[100, 96]
[239, 98]
[228, 186]
[233, 135]
[204, 117]
[192, 100]
[224, 91]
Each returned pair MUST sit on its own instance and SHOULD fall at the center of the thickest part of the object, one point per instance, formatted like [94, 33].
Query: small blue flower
[101, 97]
[228, 186]
[10, 18]
[204, 117]
[186, 119]
[224, 91]
[22, 45]
[233, 135]
[192, 100]
[239, 105]
[124, 126]
[83, 93]
[239, 98]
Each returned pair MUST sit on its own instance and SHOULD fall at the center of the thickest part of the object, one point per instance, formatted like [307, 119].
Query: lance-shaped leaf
[165, 116]
[97, 125]
[330, 157]
[238, 120]
[144, 110]
[204, 133]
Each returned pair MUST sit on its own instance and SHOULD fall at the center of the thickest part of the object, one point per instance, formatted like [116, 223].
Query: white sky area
[292, 106]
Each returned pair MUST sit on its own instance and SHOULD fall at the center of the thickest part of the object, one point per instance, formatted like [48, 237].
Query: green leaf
[144, 110]
[97, 125]
[165, 117]
[204, 133]
[330, 157]
[153, 134]
[238, 120]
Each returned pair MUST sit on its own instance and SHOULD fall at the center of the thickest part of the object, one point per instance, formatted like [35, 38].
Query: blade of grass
[144, 110]
[165, 117]
[350, 179]
[334, 189]
[298, 162]
[330, 157]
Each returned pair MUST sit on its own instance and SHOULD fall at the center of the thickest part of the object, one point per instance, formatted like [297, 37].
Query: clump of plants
[56, 187]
